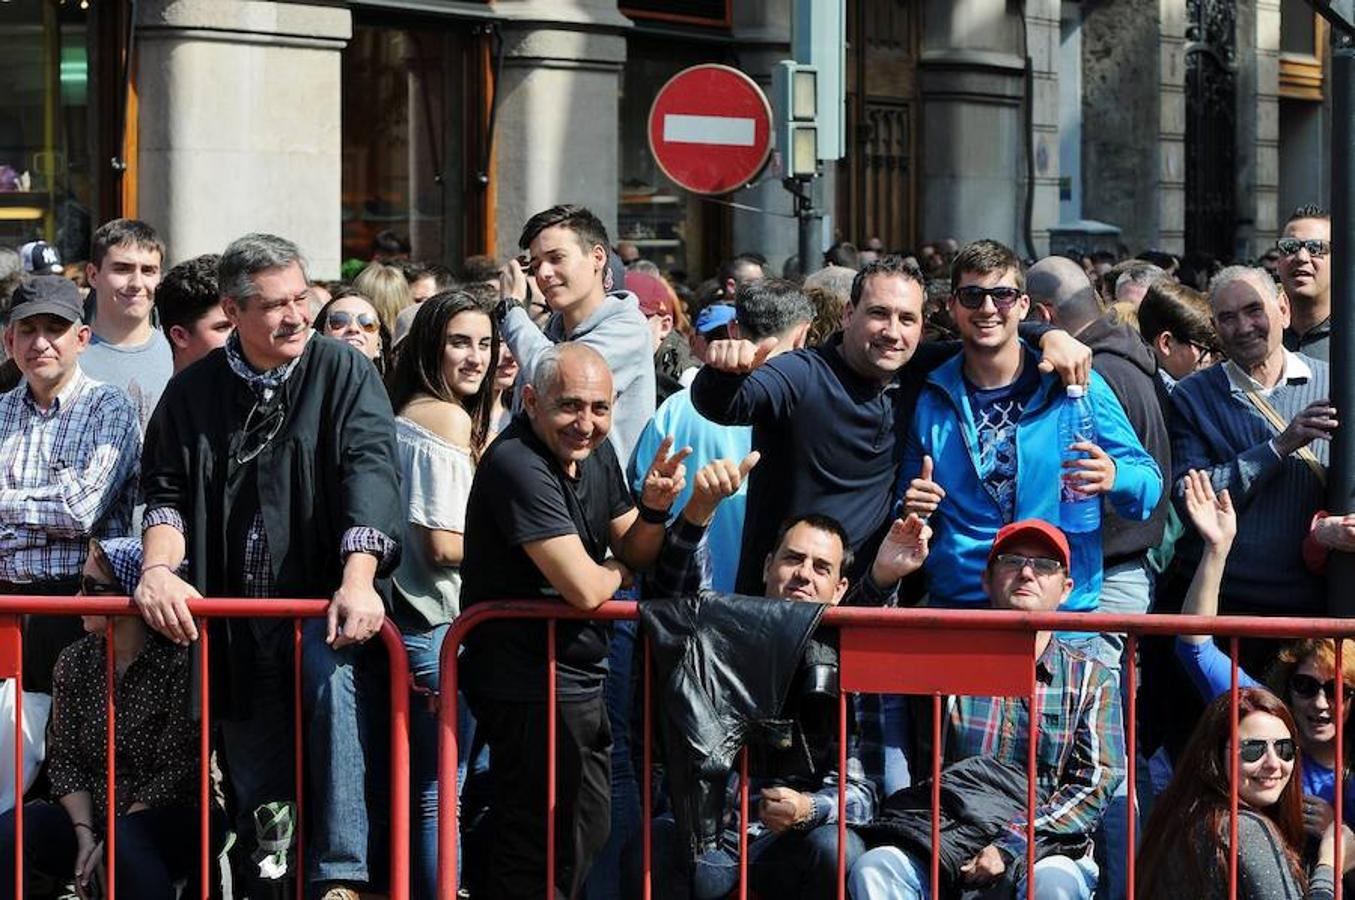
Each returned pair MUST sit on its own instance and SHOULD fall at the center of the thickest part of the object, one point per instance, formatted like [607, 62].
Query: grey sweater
[1263, 872]
[1215, 428]
[616, 329]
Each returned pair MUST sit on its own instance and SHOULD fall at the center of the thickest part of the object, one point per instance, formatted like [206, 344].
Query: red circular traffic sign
[710, 129]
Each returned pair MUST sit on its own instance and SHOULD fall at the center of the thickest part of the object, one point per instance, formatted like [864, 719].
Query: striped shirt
[1215, 428]
[67, 473]
[1080, 751]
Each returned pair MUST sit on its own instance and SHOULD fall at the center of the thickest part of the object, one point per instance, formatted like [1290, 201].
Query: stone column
[1171, 141]
[1258, 126]
[1042, 37]
[558, 138]
[971, 77]
[239, 123]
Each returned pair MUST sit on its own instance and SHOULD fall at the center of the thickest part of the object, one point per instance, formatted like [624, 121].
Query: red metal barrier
[904, 651]
[11, 607]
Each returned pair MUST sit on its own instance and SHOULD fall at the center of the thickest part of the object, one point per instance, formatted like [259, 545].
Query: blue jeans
[604, 880]
[335, 690]
[888, 873]
[424, 649]
[793, 864]
[1126, 589]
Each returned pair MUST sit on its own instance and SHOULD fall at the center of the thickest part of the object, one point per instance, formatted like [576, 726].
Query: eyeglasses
[1290, 246]
[1306, 686]
[971, 296]
[261, 426]
[91, 588]
[1253, 749]
[1040, 565]
[1203, 352]
[337, 321]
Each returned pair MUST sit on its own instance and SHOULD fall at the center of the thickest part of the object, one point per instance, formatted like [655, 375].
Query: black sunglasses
[1253, 749]
[91, 588]
[971, 296]
[1290, 246]
[1306, 686]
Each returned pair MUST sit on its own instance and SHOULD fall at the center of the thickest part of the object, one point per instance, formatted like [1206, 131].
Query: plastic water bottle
[1079, 512]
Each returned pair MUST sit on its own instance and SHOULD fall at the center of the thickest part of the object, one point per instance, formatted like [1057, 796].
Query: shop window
[47, 178]
[412, 163]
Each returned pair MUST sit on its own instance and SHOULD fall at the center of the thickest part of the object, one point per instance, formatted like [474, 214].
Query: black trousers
[516, 734]
[155, 847]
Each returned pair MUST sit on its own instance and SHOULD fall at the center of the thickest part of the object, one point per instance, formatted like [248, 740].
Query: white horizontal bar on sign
[724, 130]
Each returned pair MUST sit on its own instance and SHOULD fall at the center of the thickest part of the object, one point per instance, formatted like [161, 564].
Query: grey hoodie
[616, 329]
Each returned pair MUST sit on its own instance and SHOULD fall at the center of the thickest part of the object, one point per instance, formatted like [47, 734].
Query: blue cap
[713, 317]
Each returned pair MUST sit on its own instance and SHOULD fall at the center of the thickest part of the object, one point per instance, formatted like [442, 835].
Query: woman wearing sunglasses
[156, 797]
[351, 318]
[442, 390]
[1303, 673]
[1187, 842]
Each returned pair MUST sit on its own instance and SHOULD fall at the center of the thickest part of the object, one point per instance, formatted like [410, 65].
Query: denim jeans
[424, 649]
[604, 881]
[1126, 589]
[793, 864]
[888, 873]
[336, 691]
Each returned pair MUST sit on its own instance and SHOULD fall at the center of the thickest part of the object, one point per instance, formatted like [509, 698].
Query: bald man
[547, 506]
[1061, 293]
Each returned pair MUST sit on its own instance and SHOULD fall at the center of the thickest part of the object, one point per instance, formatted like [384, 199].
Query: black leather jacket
[723, 669]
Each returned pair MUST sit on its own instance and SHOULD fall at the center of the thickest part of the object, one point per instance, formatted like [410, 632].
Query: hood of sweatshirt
[1105, 335]
[620, 303]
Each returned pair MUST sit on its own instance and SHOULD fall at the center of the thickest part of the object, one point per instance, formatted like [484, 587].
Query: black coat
[331, 467]
[724, 666]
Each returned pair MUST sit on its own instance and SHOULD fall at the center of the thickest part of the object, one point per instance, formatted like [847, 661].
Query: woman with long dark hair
[441, 390]
[1187, 842]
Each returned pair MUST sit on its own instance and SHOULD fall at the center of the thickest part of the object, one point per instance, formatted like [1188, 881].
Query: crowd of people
[577, 425]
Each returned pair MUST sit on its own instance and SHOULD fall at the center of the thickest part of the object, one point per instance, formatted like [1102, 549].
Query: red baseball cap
[651, 293]
[1032, 529]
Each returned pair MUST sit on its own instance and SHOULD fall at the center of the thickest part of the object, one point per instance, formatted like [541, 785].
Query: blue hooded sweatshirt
[968, 519]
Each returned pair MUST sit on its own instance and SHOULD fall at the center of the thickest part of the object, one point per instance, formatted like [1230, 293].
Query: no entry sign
[710, 129]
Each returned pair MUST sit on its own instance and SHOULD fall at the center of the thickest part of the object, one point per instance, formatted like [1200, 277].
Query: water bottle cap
[1075, 390]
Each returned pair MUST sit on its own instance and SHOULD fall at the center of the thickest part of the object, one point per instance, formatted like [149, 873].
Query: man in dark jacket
[271, 466]
[793, 841]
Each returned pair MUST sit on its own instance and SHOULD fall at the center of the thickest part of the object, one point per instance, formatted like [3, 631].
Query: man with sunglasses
[985, 440]
[1079, 757]
[1305, 272]
[271, 467]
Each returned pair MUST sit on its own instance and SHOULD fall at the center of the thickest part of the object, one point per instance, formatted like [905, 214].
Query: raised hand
[1212, 515]
[923, 495]
[739, 356]
[715, 482]
[902, 552]
[666, 478]
[1065, 355]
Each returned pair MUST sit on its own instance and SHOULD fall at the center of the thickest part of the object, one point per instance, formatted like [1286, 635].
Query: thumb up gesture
[923, 495]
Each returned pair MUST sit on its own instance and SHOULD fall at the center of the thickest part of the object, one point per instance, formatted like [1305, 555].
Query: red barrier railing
[11, 656]
[894, 651]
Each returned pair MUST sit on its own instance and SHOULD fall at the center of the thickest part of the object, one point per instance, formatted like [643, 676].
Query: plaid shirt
[1080, 758]
[66, 474]
[677, 573]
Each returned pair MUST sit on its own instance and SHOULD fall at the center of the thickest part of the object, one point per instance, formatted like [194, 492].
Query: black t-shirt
[520, 495]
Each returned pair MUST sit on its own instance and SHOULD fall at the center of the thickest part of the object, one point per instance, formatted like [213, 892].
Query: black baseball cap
[52, 295]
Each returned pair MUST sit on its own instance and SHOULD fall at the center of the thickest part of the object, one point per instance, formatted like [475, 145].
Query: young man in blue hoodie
[985, 440]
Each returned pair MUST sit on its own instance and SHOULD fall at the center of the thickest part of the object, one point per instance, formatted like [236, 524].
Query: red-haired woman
[1187, 841]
